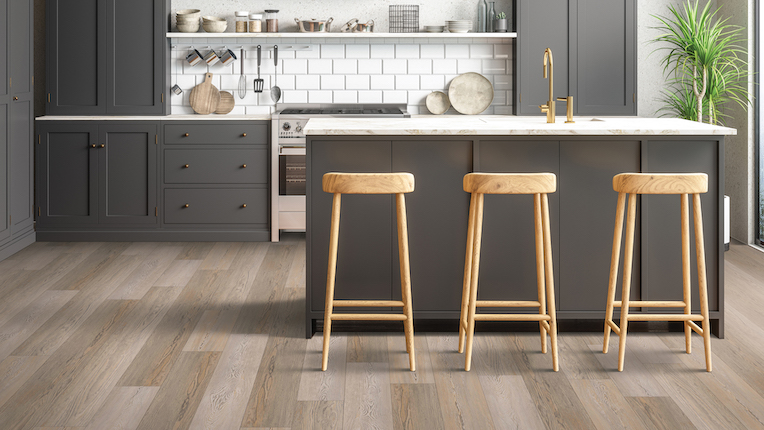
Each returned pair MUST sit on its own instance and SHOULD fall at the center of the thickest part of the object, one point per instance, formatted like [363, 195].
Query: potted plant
[501, 23]
[705, 62]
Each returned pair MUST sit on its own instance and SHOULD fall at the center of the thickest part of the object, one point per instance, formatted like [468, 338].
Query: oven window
[292, 175]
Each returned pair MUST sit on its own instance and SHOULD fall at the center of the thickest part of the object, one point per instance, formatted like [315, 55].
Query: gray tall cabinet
[594, 47]
[16, 125]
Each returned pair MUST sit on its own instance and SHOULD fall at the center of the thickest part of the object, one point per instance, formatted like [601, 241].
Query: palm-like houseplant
[705, 61]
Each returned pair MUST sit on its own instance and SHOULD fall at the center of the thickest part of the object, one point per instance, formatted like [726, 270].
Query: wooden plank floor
[210, 336]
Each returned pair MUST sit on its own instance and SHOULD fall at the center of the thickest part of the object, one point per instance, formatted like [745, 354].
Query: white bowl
[213, 19]
[215, 27]
[188, 28]
[196, 12]
[187, 20]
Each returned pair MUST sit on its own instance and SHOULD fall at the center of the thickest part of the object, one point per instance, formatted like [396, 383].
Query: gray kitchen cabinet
[594, 47]
[16, 116]
[96, 174]
[107, 57]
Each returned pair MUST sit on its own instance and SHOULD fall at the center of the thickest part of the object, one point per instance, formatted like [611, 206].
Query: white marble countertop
[509, 125]
[210, 117]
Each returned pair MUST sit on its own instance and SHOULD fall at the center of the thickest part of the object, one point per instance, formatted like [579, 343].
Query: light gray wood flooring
[211, 336]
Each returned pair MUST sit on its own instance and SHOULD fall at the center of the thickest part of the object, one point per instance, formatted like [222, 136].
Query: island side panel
[437, 213]
[508, 257]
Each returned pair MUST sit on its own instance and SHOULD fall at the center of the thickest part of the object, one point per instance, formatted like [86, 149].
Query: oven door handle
[291, 150]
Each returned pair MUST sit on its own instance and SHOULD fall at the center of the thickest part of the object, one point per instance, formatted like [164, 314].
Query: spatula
[259, 83]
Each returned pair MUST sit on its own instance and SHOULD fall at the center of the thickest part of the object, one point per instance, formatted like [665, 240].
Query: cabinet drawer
[213, 166]
[216, 206]
[231, 134]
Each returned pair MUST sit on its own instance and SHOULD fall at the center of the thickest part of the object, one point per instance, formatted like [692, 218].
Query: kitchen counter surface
[508, 125]
[156, 118]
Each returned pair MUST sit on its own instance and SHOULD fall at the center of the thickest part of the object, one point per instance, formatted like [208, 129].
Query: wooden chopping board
[205, 97]
[226, 103]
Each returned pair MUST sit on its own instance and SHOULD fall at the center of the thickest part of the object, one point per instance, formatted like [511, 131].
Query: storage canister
[241, 21]
[271, 21]
[256, 23]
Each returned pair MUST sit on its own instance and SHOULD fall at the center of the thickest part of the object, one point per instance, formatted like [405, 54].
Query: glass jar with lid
[241, 21]
[256, 23]
[271, 21]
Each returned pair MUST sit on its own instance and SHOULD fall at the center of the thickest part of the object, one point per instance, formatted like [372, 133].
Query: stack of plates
[434, 28]
[187, 20]
[459, 26]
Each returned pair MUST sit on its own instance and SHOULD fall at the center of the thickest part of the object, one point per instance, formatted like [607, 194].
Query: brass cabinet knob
[103, 145]
[244, 135]
[185, 166]
[186, 134]
[243, 166]
[16, 98]
[186, 205]
[244, 205]
[93, 145]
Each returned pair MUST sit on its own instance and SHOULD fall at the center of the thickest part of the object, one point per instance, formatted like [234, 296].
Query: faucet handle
[563, 99]
[544, 108]
[569, 106]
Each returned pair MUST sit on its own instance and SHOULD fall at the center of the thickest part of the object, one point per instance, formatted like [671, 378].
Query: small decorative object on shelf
[490, 19]
[482, 12]
[501, 23]
[404, 18]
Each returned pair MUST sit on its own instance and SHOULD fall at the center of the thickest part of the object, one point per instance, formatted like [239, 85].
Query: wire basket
[404, 18]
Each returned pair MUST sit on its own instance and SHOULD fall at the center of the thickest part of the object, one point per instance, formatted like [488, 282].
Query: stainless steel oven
[288, 161]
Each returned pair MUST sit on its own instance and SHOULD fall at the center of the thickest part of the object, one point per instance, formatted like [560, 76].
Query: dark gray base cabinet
[582, 221]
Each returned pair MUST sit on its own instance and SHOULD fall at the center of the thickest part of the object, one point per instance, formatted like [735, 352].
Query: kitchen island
[439, 151]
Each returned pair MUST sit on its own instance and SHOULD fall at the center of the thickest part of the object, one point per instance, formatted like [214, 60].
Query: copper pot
[313, 25]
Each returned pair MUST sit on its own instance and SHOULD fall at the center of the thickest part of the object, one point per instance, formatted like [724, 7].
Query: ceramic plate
[437, 102]
[470, 93]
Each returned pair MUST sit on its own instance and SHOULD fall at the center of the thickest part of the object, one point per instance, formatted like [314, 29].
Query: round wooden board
[226, 103]
[437, 102]
[205, 97]
[470, 93]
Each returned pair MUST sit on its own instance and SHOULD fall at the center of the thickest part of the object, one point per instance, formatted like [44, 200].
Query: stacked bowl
[187, 20]
[434, 28]
[214, 24]
[459, 26]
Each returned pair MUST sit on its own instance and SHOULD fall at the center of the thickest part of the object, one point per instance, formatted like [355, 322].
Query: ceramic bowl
[188, 28]
[188, 12]
[214, 27]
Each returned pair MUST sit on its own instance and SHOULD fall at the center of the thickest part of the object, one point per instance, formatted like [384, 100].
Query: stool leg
[615, 257]
[627, 268]
[474, 280]
[550, 280]
[403, 256]
[539, 230]
[467, 274]
[686, 270]
[700, 255]
[330, 277]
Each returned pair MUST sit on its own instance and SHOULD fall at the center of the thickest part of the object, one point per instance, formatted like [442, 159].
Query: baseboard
[154, 236]
[17, 244]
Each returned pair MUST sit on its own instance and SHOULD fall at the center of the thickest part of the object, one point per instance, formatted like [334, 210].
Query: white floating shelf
[296, 35]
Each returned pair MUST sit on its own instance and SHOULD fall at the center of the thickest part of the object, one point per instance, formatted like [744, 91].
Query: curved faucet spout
[549, 107]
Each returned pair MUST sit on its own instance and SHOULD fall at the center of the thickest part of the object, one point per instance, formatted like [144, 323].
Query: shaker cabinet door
[5, 226]
[21, 163]
[20, 47]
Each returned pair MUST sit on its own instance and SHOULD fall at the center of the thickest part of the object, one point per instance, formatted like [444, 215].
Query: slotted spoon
[242, 78]
[259, 83]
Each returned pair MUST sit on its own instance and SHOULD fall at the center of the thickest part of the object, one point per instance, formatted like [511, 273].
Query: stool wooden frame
[478, 185]
[658, 183]
[370, 183]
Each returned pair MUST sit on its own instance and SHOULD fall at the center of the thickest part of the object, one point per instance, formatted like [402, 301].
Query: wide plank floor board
[205, 335]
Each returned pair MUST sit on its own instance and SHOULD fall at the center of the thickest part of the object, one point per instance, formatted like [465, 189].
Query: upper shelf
[296, 35]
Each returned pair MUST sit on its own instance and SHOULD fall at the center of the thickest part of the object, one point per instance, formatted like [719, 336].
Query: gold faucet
[549, 107]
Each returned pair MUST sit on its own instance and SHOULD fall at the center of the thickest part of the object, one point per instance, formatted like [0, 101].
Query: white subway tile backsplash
[229, 82]
[295, 67]
[407, 82]
[370, 67]
[294, 97]
[502, 82]
[481, 51]
[258, 110]
[499, 98]
[346, 67]
[345, 97]
[382, 51]
[357, 51]
[407, 51]
[394, 67]
[420, 67]
[382, 82]
[502, 110]
[313, 52]
[332, 51]
[185, 82]
[464, 66]
[395, 96]
[502, 51]
[308, 82]
[333, 82]
[319, 66]
[494, 67]
[433, 51]
[320, 96]
[369, 96]
[285, 82]
[457, 51]
[418, 97]
[357, 82]
[432, 82]
[446, 67]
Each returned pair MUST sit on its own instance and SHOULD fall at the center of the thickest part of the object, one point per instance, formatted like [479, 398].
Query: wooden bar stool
[684, 184]
[370, 183]
[538, 184]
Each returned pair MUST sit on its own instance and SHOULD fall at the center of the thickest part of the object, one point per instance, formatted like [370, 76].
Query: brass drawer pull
[186, 135]
[244, 135]
[186, 205]
[16, 99]
[93, 145]
[103, 146]
[185, 166]
[244, 205]
[243, 166]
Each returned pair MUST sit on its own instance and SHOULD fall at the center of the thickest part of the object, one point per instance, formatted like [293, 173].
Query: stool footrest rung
[368, 317]
[651, 304]
[664, 317]
[507, 304]
[695, 327]
[512, 317]
[614, 327]
[545, 325]
[370, 303]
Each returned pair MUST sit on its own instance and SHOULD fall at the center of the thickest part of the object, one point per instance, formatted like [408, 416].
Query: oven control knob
[287, 126]
[298, 128]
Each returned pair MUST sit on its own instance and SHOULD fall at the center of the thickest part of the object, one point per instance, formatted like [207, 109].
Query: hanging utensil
[242, 78]
[275, 90]
[259, 83]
